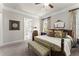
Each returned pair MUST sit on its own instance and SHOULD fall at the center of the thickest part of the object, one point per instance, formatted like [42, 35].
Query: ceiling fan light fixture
[46, 4]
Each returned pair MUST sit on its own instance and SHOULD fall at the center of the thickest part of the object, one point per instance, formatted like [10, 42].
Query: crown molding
[27, 14]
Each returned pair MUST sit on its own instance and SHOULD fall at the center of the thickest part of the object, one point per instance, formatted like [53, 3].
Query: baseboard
[11, 43]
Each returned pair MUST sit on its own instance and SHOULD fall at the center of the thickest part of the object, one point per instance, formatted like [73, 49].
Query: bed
[55, 43]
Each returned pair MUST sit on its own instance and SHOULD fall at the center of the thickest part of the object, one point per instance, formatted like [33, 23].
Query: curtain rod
[46, 18]
[73, 9]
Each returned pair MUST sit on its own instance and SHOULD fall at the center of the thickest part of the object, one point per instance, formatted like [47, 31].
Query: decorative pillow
[50, 33]
[59, 33]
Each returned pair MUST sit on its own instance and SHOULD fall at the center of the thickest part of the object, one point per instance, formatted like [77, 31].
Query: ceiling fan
[45, 4]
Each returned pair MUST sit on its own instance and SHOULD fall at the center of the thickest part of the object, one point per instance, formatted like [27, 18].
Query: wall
[8, 35]
[37, 23]
[13, 35]
[29, 25]
[64, 16]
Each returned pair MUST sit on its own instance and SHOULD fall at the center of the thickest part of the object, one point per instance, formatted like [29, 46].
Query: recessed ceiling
[39, 9]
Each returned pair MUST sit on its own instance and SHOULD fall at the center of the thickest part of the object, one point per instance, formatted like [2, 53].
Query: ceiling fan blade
[37, 3]
[51, 6]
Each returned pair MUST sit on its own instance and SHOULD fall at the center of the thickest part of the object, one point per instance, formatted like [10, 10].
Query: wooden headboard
[69, 32]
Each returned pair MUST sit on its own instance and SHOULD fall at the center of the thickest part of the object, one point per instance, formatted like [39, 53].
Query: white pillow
[68, 36]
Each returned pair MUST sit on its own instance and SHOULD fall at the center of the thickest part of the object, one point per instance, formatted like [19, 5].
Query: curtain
[77, 24]
[45, 24]
[73, 25]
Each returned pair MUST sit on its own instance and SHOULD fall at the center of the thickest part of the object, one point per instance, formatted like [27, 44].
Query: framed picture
[14, 25]
[59, 24]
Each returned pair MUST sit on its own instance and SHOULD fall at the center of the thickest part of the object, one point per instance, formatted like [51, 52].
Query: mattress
[55, 43]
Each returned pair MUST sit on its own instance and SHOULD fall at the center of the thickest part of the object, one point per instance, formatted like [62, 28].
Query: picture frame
[59, 24]
[14, 25]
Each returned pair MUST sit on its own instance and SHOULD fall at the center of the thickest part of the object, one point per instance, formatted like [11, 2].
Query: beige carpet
[21, 49]
[75, 52]
[15, 49]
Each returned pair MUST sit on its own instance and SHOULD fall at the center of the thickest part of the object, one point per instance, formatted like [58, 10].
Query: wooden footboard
[55, 50]
[59, 53]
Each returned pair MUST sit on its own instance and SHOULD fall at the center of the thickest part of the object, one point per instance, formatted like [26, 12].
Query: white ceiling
[38, 10]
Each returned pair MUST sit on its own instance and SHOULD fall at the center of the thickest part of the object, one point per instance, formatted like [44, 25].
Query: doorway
[27, 28]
